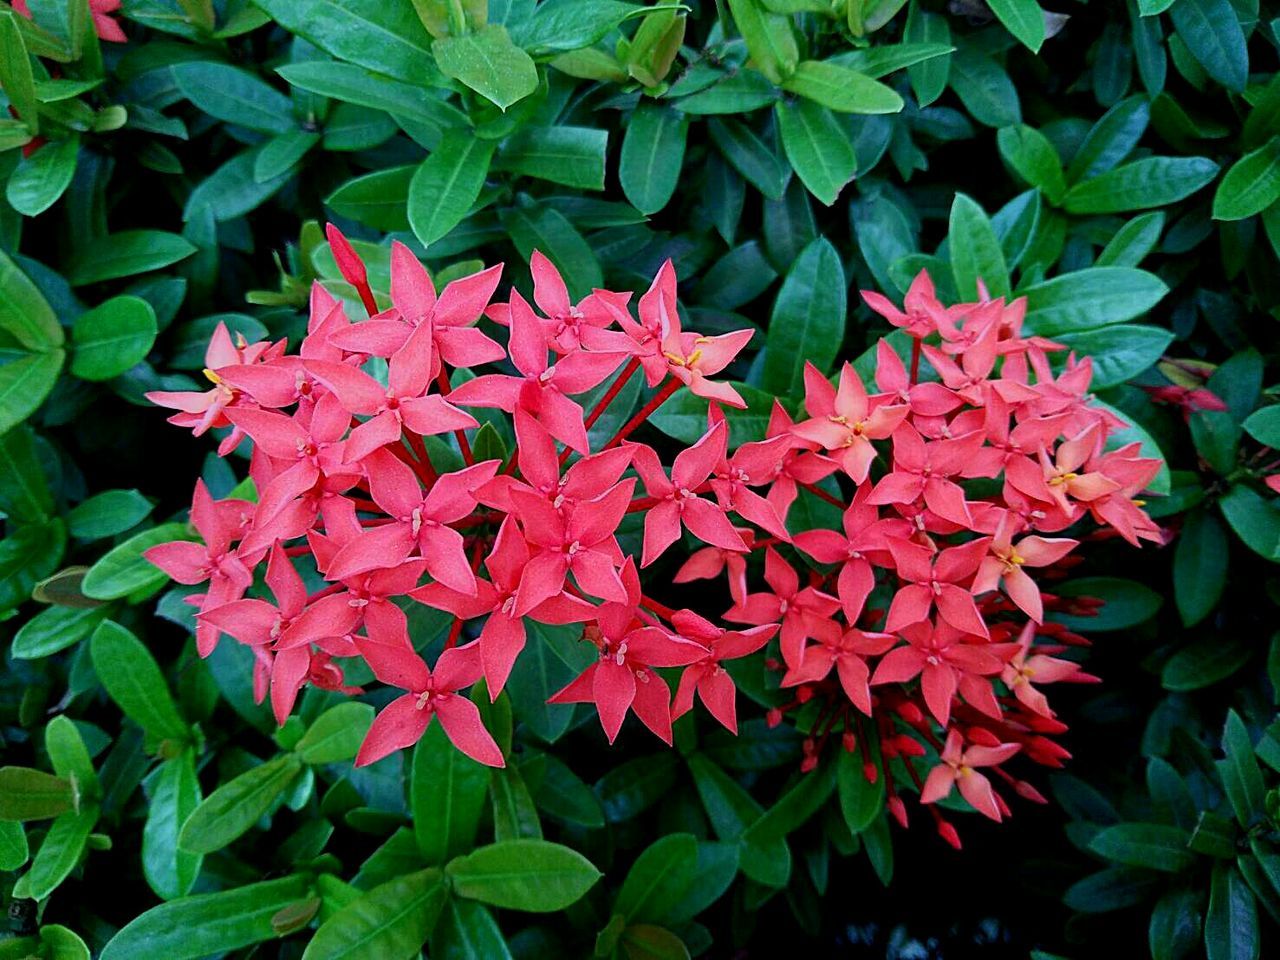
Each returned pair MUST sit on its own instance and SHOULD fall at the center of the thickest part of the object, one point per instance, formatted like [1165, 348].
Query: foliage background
[1122, 172]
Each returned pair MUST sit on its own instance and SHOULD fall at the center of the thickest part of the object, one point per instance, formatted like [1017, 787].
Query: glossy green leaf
[234, 95]
[207, 923]
[43, 177]
[1200, 562]
[107, 514]
[1119, 352]
[125, 254]
[818, 149]
[758, 163]
[1212, 32]
[123, 570]
[24, 384]
[1241, 775]
[1034, 159]
[171, 871]
[1251, 184]
[1231, 923]
[1255, 520]
[446, 184]
[112, 337]
[447, 795]
[1153, 846]
[392, 920]
[976, 254]
[808, 320]
[572, 156]
[134, 681]
[842, 89]
[489, 63]
[28, 794]
[336, 734]
[378, 199]
[1091, 298]
[24, 312]
[652, 155]
[535, 876]
[233, 809]
[1150, 182]
[658, 880]
[1023, 18]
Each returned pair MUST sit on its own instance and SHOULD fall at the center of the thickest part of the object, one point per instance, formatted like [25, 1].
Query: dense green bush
[1118, 164]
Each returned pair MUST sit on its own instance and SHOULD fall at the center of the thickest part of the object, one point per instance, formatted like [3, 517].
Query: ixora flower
[912, 628]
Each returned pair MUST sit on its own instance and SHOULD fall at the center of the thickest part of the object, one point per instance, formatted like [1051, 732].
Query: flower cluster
[914, 633]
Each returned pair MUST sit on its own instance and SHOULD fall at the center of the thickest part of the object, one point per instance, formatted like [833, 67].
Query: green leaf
[27, 794]
[466, 930]
[123, 570]
[112, 337]
[1091, 298]
[1199, 566]
[807, 322]
[514, 813]
[489, 63]
[134, 681]
[644, 941]
[1231, 923]
[1212, 32]
[60, 851]
[573, 156]
[125, 254]
[861, 801]
[280, 154]
[447, 184]
[1112, 889]
[377, 199]
[684, 415]
[62, 943]
[232, 809]
[13, 845]
[1203, 663]
[336, 734]
[55, 629]
[976, 254]
[1119, 352]
[1264, 425]
[24, 488]
[1175, 924]
[40, 179]
[209, 923]
[391, 921]
[232, 190]
[1127, 603]
[175, 792]
[652, 155]
[536, 876]
[758, 163]
[561, 25]
[984, 88]
[24, 383]
[542, 228]
[819, 150]
[355, 85]
[929, 77]
[1110, 139]
[738, 93]
[15, 72]
[24, 312]
[1132, 242]
[840, 88]
[107, 514]
[1023, 18]
[656, 884]
[1034, 159]
[1153, 846]
[234, 95]
[1241, 775]
[447, 793]
[1150, 182]
[1251, 185]
[1255, 519]
[769, 38]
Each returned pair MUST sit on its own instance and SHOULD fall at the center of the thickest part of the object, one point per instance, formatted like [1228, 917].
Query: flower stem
[657, 400]
[915, 361]
[460, 435]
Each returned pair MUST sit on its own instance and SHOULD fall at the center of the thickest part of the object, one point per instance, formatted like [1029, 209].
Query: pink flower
[428, 694]
[923, 315]
[958, 768]
[677, 499]
[843, 421]
[935, 580]
[846, 651]
[944, 663]
[1006, 562]
[706, 676]
[543, 390]
[801, 611]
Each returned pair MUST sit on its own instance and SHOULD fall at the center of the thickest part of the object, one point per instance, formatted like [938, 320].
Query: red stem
[915, 361]
[657, 400]
[603, 403]
[461, 435]
[819, 492]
